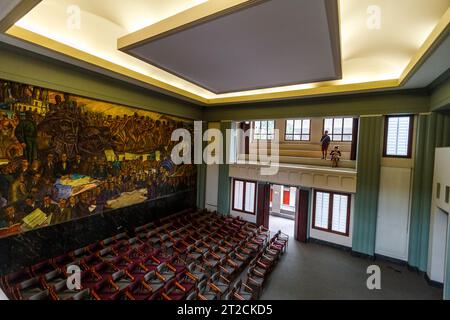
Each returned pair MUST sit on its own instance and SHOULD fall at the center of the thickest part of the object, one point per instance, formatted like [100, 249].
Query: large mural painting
[64, 157]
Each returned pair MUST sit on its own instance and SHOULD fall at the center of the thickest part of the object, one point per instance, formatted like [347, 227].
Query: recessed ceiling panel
[266, 44]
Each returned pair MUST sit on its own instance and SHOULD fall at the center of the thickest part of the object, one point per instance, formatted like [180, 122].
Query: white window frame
[330, 221]
[339, 137]
[293, 134]
[391, 121]
[244, 195]
[259, 134]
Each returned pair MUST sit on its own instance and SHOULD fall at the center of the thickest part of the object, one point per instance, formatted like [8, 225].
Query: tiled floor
[313, 271]
[285, 225]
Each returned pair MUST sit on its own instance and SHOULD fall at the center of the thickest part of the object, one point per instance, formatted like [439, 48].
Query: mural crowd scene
[64, 157]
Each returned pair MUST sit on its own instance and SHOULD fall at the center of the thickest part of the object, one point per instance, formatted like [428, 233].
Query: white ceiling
[271, 44]
[405, 25]
[367, 55]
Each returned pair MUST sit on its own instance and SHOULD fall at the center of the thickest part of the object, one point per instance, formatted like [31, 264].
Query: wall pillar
[433, 131]
[447, 266]
[201, 170]
[367, 185]
[223, 199]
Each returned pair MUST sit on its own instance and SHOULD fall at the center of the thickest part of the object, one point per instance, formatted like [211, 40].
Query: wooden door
[301, 217]
[263, 202]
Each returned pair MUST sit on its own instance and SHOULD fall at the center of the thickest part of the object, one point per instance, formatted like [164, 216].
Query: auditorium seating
[188, 256]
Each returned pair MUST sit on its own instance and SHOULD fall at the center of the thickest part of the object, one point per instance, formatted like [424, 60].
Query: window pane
[250, 197]
[328, 125]
[397, 143]
[403, 136]
[297, 137]
[270, 129]
[340, 206]
[322, 208]
[306, 126]
[347, 137]
[257, 126]
[289, 137]
[289, 126]
[348, 125]
[263, 126]
[238, 195]
[305, 137]
[392, 136]
[337, 128]
[298, 127]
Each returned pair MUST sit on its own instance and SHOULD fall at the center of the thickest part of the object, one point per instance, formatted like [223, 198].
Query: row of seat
[191, 255]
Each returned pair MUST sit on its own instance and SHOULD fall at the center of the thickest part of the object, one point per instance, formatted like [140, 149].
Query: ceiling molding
[437, 36]
[22, 8]
[51, 44]
[440, 80]
[325, 89]
[440, 33]
[196, 15]
[332, 8]
[204, 46]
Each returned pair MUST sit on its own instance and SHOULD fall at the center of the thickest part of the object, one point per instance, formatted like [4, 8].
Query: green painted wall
[367, 187]
[223, 199]
[433, 131]
[21, 66]
[201, 174]
[368, 104]
[440, 96]
[29, 68]
[447, 267]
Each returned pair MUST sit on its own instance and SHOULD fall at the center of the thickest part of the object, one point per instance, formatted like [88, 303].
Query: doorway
[283, 204]
[284, 208]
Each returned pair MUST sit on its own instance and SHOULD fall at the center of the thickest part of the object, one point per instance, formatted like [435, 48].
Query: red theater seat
[196, 255]
[42, 268]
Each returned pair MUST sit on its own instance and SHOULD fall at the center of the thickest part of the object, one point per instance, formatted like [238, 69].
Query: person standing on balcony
[325, 143]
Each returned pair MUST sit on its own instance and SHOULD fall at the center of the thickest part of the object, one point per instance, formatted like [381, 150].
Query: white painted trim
[341, 180]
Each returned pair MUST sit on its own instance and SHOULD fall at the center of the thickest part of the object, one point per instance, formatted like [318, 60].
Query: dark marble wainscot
[28, 248]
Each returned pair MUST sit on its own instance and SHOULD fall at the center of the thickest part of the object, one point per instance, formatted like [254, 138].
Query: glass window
[339, 129]
[244, 196]
[298, 130]
[398, 135]
[263, 130]
[331, 212]
[321, 212]
[340, 206]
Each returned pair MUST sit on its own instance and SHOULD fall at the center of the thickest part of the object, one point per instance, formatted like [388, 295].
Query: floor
[285, 225]
[313, 271]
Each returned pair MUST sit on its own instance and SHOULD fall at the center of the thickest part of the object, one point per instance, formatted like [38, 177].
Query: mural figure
[64, 157]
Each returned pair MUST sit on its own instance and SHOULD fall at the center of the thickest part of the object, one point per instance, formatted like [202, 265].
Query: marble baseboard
[25, 249]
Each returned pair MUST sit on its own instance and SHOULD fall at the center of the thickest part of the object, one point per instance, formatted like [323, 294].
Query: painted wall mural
[64, 157]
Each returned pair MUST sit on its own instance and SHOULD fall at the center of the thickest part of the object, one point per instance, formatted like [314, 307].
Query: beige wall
[306, 149]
